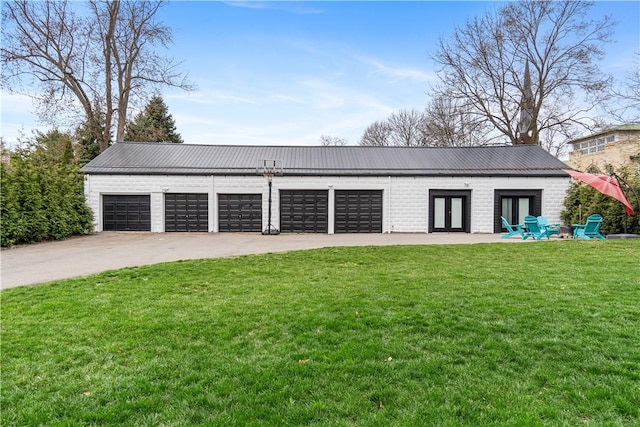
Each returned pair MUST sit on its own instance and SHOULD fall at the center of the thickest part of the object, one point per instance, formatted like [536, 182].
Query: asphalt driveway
[80, 256]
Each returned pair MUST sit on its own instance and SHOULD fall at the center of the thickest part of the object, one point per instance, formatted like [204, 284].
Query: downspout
[97, 213]
[213, 202]
[389, 225]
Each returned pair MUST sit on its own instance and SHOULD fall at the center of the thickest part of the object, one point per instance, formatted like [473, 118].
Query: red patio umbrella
[606, 185]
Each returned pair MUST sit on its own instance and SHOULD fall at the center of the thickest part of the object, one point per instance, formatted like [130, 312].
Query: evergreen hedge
[42, 197]
[583, 200]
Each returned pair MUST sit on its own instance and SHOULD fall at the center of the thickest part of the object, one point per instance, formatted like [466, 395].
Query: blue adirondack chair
[590, 229]
[534, 229]
[512, 229]
[551, 228]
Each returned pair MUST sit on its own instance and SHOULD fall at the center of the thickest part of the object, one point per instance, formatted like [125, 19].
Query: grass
[492, 334]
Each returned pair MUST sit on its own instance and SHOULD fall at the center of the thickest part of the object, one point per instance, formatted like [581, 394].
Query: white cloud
[17, 118]
[285, 98]
[399, 73]
[17, 102]
[294, 7]
[297, 112]
[210, 97]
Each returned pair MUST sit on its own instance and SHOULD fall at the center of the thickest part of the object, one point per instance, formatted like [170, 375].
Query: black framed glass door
[450, 211]
[514, 205]
[515, 208]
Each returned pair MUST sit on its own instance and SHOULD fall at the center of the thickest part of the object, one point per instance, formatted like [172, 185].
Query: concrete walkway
[80, 256]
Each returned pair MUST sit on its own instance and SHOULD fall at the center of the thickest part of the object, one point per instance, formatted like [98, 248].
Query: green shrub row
[583, 200]
[42, 198]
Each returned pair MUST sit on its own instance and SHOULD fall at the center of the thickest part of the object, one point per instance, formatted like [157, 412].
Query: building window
[595, 145]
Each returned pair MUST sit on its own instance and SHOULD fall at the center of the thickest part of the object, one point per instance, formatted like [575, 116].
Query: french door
[450, 211]
[514, 209]
[514, 205]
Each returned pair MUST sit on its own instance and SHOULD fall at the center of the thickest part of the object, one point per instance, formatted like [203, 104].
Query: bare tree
[449, 124]
[445, 123]
[407, 128]
[625, 96]
[93, 65]
[327, 141]
[376, 133]
[402, 128]
[483, 66]
[633, 82]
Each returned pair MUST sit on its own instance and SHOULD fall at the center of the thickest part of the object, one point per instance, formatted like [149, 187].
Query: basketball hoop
[268, 169]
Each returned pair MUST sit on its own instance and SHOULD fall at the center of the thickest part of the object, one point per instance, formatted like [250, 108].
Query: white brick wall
[405, 199]
[154, 185]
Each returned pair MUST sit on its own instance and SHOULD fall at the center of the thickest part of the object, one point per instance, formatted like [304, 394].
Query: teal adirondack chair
[512, 229]
[534, 229]
[551, 228]
[590, 229]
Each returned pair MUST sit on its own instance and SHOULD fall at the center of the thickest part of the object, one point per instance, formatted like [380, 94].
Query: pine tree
[153, 124]
[88, 145]
[42, 192]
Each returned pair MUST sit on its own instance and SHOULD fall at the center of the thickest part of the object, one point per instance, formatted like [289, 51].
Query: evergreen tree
[42, 192]
[88, 145]
[583, 200]
[153, 124]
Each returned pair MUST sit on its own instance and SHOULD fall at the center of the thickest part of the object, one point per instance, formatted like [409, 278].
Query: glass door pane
[523, 209]
[507, 209]
[456, 212]
[439, 212]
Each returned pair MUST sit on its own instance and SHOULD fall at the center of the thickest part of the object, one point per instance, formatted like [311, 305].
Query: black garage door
[358, 211]
[240, 212]
[304, 211]
[186, 212]
[126, 213]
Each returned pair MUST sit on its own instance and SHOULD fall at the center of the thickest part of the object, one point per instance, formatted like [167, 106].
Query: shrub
[42, 195]
[583, 200]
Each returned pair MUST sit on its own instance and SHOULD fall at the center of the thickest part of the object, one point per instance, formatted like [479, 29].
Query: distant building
[617, 146]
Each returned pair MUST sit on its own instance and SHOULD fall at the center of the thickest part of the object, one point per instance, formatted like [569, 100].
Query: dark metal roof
[187, 159]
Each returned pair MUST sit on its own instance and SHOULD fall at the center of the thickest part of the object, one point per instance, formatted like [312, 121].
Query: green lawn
[544, 333]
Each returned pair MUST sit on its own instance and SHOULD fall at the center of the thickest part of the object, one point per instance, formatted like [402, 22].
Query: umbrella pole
[632, 190]
[580, 213]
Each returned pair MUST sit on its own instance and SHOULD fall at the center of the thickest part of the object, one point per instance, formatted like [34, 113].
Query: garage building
[163, 187]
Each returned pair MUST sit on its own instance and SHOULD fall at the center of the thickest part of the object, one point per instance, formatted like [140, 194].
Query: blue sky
[285, 73]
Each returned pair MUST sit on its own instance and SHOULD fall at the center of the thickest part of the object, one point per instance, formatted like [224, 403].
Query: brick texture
[405, 199]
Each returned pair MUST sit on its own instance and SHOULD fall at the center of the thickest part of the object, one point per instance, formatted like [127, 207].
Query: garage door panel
[188, 212]
[304, 211]
[126, 212]
[240, 212]
[358, 211]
